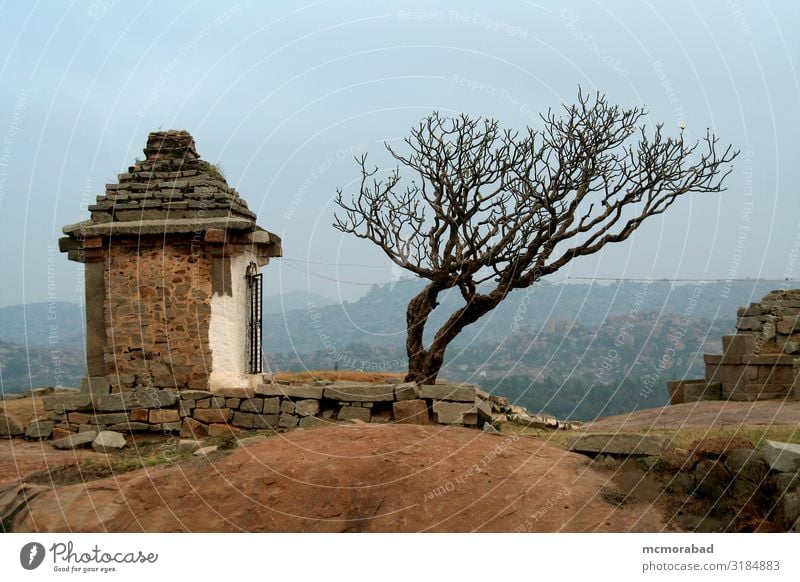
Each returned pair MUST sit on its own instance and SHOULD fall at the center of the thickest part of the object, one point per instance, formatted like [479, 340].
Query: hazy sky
[282, 94]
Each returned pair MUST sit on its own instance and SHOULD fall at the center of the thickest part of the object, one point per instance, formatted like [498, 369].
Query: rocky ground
[402, 478]
[356, 477]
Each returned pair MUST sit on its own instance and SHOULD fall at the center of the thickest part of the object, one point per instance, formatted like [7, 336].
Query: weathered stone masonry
[760, 362]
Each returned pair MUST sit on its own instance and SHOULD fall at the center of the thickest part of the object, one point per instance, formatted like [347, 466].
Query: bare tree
[488, 211]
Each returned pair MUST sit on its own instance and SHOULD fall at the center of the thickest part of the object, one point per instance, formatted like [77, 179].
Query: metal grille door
[254, 292]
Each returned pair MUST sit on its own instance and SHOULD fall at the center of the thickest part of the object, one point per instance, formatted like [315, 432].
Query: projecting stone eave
[88, 238]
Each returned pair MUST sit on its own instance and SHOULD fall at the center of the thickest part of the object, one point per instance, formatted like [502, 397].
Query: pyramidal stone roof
[171, 190]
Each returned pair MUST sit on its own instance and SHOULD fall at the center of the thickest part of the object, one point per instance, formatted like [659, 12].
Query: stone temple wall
[158, 308]
[760, 362]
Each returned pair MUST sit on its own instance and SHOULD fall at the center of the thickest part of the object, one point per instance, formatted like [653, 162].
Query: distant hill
[378, 318]
[278, 304]
[550, 332]
[22, 368]
[42, 324]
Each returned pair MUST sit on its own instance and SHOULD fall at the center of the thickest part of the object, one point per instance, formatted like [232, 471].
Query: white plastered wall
[228, 330]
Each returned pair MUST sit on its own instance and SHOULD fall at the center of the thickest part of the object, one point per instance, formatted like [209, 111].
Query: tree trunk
[424, 365]
[419, 308]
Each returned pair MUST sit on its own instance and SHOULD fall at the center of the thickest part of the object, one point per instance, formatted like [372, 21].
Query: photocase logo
[31, 555]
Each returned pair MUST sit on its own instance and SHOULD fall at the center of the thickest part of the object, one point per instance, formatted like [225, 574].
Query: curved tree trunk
[424, 364]
[419, 308]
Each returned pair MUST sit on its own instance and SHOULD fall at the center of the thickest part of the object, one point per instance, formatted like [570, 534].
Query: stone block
[627, 444]
[209, 415]
[254, 405]
[233, 402]
[243, 419]
[162, 415]
[10, 426]
[75, 441]
[78, 417]
[139, 415]
[781, 457]
[749, 324]
[185, 408]
[109, 418]
[299, 391]
[143, 398]
[261, 421]
[217, 402]
[451, 412]
[61, 432]
[355, 413]
[108, 441]
[39, 429]
[311, 422]
[405, 391]
[484, 410]
[696, 390]
[287, 420]
[272, 406]
[307, 407]
[738, 345]
[787, 325]
[287, 406]
[195, 394]
[675, 390]
[192, 429]
[354, 392]
[130, 427]
[411, 412]
[67, 402]
[203, 403]
[95, 385]
[448, 392]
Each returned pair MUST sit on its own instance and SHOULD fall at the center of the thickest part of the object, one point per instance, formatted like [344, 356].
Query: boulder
[108, 441]
[39, 429]
[628, 444]
[75, 441]
[201, 452]
[782, 457]
[9, 427]
[411, 412]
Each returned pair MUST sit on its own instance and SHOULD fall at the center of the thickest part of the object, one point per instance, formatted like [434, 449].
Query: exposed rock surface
[403, 478]
[620, 444]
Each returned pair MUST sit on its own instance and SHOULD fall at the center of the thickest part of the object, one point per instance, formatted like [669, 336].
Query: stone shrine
[173, 292]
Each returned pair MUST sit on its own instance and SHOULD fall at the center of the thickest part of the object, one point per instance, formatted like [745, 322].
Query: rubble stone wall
[200, 413]
[157, 315]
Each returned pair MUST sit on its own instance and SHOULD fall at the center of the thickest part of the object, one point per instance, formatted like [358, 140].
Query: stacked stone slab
[164, 250]
[760, 362]
[201, 413]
